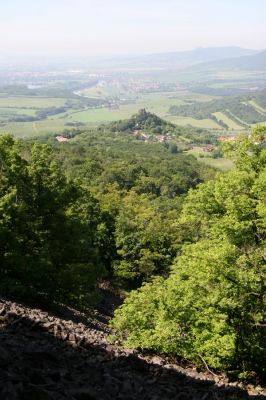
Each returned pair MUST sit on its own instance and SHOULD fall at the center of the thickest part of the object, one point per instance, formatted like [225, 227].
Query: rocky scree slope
[48, 356]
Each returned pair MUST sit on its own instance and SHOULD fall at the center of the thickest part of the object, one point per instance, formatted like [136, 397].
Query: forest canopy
[186, 243]
[212, 307]
[102, 206]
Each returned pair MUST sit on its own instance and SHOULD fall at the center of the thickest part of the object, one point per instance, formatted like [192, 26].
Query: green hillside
[243, 110]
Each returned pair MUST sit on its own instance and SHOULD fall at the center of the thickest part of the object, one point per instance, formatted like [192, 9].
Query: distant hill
[178, 59]
[199, 55]
[143, 121]
[251, 62]
[149, 127]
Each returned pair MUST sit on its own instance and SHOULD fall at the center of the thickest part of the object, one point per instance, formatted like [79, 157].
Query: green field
[257, 107]
[18, 111]
[198, 123]
[31, 102]
[228, 121]
[157, 104]
[97, 116]
[27, 129]
[103, 114]
[128, 102]
[198, 97]
[124, 102]
[104, 91]
[224, 164]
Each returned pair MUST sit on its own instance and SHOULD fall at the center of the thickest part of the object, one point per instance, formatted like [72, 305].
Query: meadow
[30, 102]
[121, 99]
[32, 129]
[228, 121]
[157, 103]
[196, 123]
[223, 164]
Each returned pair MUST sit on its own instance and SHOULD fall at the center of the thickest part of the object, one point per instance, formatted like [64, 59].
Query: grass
[158, 104]
[224, 164]
[90, 117]
[196, 151]
[37, 128]
[199, 123]
[16, 111]
[103, 114]
[236, 118]
[103, 92]
[257, 107]
[236, 75]
[228, 121]
[198, 97]
[31, 102]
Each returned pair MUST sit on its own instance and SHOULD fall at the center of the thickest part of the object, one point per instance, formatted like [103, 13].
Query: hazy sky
[90, 27]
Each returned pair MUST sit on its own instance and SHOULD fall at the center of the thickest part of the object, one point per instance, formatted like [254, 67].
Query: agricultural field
[104, 100]
[102, 115]
[32, 129]
[14, 110]
[232, 125]
[223, 164]
[103, 90]
[31, 102]
[10, 113]
[157, 103]
[235, 112]
[257, 106]
[197, 123]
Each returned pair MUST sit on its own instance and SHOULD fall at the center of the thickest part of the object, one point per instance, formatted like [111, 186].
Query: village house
[61, 139]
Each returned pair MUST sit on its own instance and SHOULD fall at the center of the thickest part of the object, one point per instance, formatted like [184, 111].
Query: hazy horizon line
[122, 54]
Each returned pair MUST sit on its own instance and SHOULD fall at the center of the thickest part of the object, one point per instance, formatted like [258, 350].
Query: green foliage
[142, 186]
[50, 228]
[103, 203]
[145, 238]
[212, 308]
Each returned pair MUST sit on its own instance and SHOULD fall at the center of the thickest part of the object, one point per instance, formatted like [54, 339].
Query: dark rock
[43, 357]
[5, 357]
[35, 393]
[84, 394]
[2, 311]
[64, 335]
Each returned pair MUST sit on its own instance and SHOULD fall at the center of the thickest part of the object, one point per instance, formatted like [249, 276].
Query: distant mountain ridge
[252, 62]
[164, 60]
[181, 59]
[200, 55]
